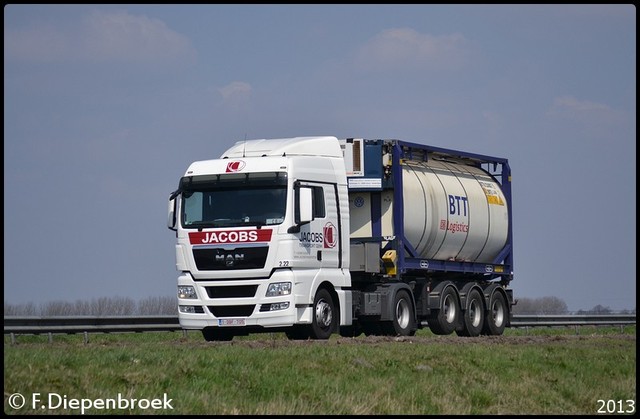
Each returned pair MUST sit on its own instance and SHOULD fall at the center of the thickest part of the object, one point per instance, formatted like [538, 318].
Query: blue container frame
[501, 267]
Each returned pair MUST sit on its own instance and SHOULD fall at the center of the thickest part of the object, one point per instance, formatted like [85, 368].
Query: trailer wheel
[403, 317]
[213, 334]
[496, 319]
[473, 316]
[444, 320]
[323, 318]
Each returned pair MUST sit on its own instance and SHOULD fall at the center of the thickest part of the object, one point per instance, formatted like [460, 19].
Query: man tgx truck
[315, 235]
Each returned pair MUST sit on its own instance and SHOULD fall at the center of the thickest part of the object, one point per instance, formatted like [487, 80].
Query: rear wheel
[403, 316]
[496, 319]
[473, 316]
[445, 319]
[324, 316]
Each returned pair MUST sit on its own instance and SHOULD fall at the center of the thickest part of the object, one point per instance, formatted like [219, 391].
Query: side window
[318, 202]
[193, 205]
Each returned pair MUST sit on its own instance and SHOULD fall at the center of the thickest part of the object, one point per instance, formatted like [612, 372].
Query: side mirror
[171, 214]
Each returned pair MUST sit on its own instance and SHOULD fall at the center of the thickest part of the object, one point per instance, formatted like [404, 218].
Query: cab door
[321, 237]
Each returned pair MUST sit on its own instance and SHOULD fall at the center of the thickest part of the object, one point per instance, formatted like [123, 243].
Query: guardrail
[34, 325]
[79, 324]
[113, 324]
[572, 320]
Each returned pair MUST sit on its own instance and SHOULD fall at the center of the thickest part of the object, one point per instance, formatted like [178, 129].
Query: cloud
[235, 90]
[236, 94]
[102, 37]
[568, 107]
[406, 48]
[593, 120]
[569, 104]
[123, 37]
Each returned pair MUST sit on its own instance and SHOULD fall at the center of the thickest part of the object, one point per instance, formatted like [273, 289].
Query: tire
[473, 318]
[214, 334]
[324, 316]
[496, 316]
[403, 322]
[445, 320]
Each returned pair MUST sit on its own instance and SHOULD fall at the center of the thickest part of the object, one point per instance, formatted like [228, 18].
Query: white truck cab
[261, 233]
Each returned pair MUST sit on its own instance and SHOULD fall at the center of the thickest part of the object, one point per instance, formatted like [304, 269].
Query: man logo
[235, 166]
[230, 259]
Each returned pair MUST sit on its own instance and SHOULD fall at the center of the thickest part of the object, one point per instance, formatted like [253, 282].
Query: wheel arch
[388, 308]
[466, 289]
[334, 295]
[433, 302]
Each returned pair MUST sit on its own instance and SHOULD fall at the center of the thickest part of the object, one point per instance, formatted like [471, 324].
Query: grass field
[540, 371]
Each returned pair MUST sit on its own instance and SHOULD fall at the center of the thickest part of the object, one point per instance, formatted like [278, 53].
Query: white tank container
[453, 211]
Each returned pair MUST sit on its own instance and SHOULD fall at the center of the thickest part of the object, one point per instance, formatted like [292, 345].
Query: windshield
[233, 200]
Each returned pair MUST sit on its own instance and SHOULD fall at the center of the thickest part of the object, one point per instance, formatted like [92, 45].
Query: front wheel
[324, 317]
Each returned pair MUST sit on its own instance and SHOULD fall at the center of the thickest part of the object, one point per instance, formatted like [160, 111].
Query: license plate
[230, 322]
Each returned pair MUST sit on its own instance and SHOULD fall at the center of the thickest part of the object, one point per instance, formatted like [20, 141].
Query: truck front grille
[237, 291]
[215, 259]
[232, 311]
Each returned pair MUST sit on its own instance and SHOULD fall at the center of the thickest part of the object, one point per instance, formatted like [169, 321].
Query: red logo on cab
[330, 233]
[235, 166]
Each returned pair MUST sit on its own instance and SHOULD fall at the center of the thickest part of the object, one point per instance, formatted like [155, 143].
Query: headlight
[279, 306]
[187, 292]
[279, 288]
[190, 309]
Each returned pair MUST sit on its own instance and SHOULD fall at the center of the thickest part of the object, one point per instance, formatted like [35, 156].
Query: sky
[105, 106]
